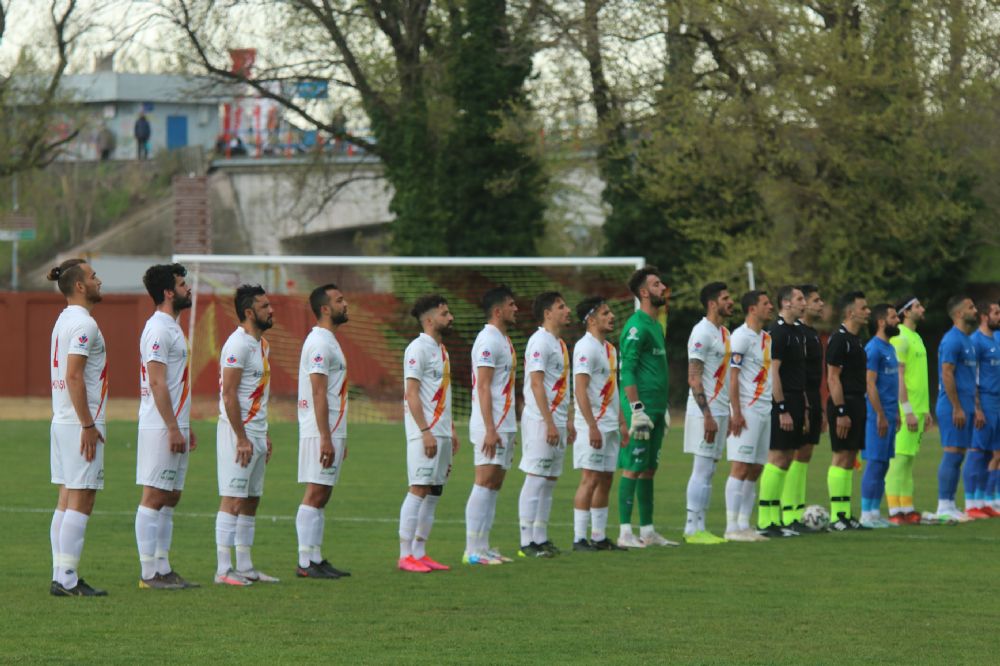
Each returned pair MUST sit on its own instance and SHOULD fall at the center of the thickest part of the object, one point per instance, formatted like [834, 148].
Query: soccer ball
[816, 517]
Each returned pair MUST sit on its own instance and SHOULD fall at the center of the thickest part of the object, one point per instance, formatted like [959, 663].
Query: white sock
[598, 523]
[244, 542]
[734, 501]
[746, 507]
[71, 533]
[625, 530]
[225, 536]
[425, 521]
[706, 494]
[581, 519]
[541, 526]
[164, 537]
[146, 525]
[408, 514]
[869, 515]
[319, 527]
[304, 518]
[527, 506]
[57, 518]
[490, 517]
[699, 490]
[476, 510]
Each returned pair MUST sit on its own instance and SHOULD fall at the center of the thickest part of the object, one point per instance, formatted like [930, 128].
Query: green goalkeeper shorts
[643, 455]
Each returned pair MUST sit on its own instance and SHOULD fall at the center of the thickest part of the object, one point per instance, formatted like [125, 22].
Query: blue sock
[991, 488]
[981, 461]
[948, 473]
[873, 484]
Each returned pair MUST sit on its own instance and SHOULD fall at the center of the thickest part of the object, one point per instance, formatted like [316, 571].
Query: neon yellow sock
[840, 482]
[772, 482]
[793, 496]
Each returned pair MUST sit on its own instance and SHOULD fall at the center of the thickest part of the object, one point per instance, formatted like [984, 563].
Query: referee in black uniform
[793, 499]
[788, 409]
[845, 377]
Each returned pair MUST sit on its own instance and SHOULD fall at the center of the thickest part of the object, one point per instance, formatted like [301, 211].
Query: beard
[891, 331]
[263, 324]
[340, 318]
[446, 328]
[993, 326]
[94, 295]
[181, 302]
[657, 301]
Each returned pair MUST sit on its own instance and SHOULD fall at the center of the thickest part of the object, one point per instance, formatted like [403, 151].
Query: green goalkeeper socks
[644, 495]
[626, 497]
[793, 497]
[840, 481]
[772, 481]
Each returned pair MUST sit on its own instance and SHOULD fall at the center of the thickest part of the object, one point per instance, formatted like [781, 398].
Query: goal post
[380, 292]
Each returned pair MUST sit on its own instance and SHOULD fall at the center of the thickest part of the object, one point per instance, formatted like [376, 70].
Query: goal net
[380, 292]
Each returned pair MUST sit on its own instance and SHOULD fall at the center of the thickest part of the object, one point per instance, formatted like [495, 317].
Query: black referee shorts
[815, 418]
[855, 440]
[785, 440]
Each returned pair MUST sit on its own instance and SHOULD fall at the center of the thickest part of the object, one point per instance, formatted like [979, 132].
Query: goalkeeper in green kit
[644, 405]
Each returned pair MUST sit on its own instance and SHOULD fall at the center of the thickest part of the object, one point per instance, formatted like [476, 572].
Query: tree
[434, 80]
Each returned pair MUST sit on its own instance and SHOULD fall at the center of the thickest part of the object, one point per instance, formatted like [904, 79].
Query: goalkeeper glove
[666, 418]
[641, 424]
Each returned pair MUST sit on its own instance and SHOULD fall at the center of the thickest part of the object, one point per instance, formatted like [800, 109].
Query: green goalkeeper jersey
[644, 362]
[910, 351]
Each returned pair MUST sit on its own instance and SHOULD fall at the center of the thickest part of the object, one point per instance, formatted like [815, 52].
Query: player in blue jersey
[957, 408]
[882, 404]
[981, 471]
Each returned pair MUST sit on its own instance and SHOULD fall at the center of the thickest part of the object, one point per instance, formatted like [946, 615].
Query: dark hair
[543, 302]
[67, 274]
[901, 303]
[879, 313]
[425, 304]
[785, 294]
[807, 289]
[983, 307]
[751, 298]
[245, 295]
[847, 300]
[710, 292]
[160, 278]
[638, 278]
[318, 298]
[587, 305]
[954, 302]
[494, 297]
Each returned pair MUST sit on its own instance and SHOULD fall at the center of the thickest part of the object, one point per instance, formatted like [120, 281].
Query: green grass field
[909, 595]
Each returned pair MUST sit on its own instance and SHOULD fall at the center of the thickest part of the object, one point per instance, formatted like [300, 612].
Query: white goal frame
[196, 260]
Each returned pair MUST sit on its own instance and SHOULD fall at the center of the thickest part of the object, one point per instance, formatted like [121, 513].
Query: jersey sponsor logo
[737, 360]
[156, 346]
[412, 362]
[698, 345]
[538, 354]
[168, 475]
[633, 333]
[230, 360]
[318, 358]
[238, 484]
[424, 472]
[486, 354]
[83, 339]
[582, 359]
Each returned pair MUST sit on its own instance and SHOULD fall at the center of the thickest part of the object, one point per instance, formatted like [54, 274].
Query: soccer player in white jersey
[165, 438]
[243, 446]
[492, 423]
[707, 420]
[430, 432]
[322, 427]
[750, 424]
[544, 428]
[79, 373]
[600, 425]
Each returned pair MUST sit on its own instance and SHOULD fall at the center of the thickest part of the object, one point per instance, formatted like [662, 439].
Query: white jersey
[549, 355]
[163, 341]
[322, 355]
[427, 361]
[710, 345]
[600, 361]
[77, 333]
[493, 349]
[244, 351]
[751, 355]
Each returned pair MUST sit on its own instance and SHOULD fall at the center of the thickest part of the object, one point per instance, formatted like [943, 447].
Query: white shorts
[310, 469]
[753, 443]
[538, 457]
[694, 436]
[604, 459]
[236, 481]
[69, 468]
[155, 465]
[424, 471]
[504, 456]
